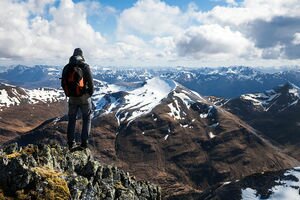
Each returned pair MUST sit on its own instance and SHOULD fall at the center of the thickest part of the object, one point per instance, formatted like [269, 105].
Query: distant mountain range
[223, 82]
[227, 82]
[32, 77]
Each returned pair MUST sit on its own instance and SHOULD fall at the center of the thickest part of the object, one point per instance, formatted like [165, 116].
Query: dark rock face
[53, 172]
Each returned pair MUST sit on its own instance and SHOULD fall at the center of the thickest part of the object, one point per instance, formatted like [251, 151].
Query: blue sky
[151, 32]
[124, 4]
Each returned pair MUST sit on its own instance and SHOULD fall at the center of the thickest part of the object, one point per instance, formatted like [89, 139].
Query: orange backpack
[73, 82]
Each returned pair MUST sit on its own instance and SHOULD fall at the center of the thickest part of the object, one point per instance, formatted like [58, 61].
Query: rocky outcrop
[54, 172]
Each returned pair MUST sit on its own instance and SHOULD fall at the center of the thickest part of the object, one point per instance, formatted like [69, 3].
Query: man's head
[77, 56]
[78, 52]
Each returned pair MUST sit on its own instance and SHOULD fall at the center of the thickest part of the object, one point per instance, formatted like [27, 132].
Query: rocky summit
[54, 172]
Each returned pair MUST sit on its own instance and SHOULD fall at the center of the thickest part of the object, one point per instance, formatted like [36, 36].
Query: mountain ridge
[12, 95]
[274, 113]
[226, 82]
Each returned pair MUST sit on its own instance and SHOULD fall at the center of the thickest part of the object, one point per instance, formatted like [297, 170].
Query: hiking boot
[71, 145]
[84, 145]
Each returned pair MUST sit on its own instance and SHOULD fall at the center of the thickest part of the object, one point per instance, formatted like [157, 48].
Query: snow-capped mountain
[162, 131]
[23, 109]
[137, 102]
[280, 185]
[13, 96]
[129, 105]
[275, 113]
[32, 77]
[227, 82]
[279, 98]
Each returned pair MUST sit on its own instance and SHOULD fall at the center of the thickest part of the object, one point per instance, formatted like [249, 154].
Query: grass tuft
[57, 187]
[120, 186]
[27, 150]
[2, 197]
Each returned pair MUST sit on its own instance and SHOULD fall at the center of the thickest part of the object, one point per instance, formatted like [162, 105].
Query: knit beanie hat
[78, 52]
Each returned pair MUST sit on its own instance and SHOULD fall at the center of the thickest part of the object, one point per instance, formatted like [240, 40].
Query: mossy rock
[28, 150]
[57, 187]
[2, 197]
[120, 186]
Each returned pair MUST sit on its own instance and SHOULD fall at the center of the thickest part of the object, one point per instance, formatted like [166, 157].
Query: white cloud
[38, 38]
[296, 40]
[151, 31]
[250, 10]
[38, 6]
[150, 18]
[13, 29]
[95, 8]
[165, 47]
[273, 52]
[231, 2]
[215, 40]
[222, 32]
[154, 25]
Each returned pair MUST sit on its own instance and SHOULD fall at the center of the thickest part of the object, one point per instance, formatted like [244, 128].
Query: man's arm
[63, 76]
[89, 80]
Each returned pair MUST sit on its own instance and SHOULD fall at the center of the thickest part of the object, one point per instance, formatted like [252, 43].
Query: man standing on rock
[77, 83]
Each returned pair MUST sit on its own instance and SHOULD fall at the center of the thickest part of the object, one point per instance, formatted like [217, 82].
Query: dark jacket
[87, 75]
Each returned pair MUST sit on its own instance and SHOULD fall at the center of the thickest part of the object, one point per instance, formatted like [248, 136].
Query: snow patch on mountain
[242, 73]
[166, 137]
[184, 98]
[129, 103]
[101, 89]
[249, 194]
[142, 100]
[45, 95]
[285, 188]
[267, 99]
[174, 110]
[261, 99]
[6, 100]
[211, 135]
[294, 91]
[12, 96]
[209, 112]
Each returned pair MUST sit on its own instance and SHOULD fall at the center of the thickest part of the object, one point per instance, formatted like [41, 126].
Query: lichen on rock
[53, 172]
[55, 185]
